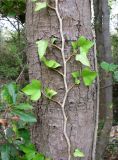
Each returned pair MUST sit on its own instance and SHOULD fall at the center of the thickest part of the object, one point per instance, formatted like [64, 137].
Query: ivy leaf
[83, 59]
[50, 63]
[108, 67]
[84, 45]
[42, 46]
[75, 45]
[88, 76]
[24, 106]
[50, 93]
[33, 90]
[26, 117]
[78, 153]
[40, 5]
[105, 66]
[76, 75]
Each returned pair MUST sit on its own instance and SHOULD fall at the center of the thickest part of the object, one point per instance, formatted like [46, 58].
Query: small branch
[11, 23]
[70, 57]
[51, 7]
[52, 99]
[71, 87]
[59, 72]
[56, 46]
[20, 75]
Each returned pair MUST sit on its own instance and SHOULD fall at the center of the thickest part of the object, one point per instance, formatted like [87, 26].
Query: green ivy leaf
[108, 67]
[40, 5]
[50, 63]
[50, 93]
[76, 75]
[88, 76]
[78, 153]
[75, 45]
[83, 59]
[33, 89]
[24, 106]
[105, 66]
[42, 46]
[84, 45]
[26, 117]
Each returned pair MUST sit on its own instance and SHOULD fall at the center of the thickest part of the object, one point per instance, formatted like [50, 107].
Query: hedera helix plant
[80, 49]
[15, 119]
[110, 68]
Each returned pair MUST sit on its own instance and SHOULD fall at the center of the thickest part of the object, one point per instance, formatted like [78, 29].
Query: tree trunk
[102, 15]
[47, 133]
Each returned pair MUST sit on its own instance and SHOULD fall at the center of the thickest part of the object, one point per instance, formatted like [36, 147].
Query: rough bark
[47, 133]
[101, 11]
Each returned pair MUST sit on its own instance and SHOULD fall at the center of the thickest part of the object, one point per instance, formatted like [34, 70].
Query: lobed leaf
[50, 93]
[88, 76]
[42, 46]
[40, 5]
[78, 153]
[33, 90]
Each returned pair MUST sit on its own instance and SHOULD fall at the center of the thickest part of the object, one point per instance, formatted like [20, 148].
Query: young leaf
[84, 45]
[75, 45]
[26, 117]
[50, 93]
[40, 5]
[76, 75]
[83, 59]
[33, 89]
[24, 106]
[51, 63]
[42, 46]
[78, 153]
[88, 76]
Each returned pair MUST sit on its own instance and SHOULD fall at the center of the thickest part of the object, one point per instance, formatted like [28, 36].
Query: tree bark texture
[47, 133]
[102, 15]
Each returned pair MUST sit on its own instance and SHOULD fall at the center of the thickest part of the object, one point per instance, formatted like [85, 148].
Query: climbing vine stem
[64, 78]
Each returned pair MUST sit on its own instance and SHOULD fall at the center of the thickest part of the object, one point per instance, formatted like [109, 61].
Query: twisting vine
[65, 81]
